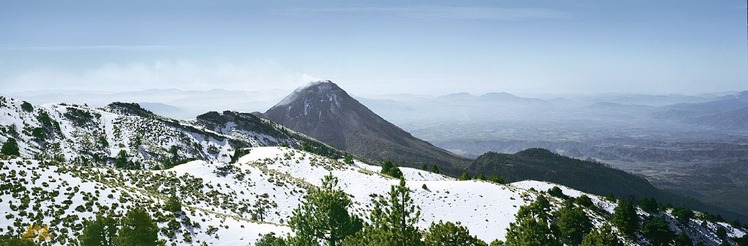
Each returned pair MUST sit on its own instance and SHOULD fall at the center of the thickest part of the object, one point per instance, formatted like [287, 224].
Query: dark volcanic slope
[326, 112]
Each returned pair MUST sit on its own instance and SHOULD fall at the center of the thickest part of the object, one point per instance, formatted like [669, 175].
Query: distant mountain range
[690, 111]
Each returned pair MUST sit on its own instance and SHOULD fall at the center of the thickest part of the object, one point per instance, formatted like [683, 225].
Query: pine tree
[435, 169]
[26, 106]
[573, 224]
[174, 153]
[261, 207]
[10, 147]
[601, 237]
[683, 240]
[450, 234]
[388, 168]
[348, 159]
[479, 177]
[323, 216]
[173, 204]
[721, 233]
[532, 227]
[625, 218]
[683, 215]
[496, 179]
[270, 239]
[557, 192]
[121, 161]
[648, 204]
[14, 241]
[584, 201]
[392, 221]
[530, 232]
[658, 232]
[464, 176]
[137, 229]
[99, 232]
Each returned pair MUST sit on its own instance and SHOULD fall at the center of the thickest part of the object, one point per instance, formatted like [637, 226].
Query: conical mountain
[326, 112]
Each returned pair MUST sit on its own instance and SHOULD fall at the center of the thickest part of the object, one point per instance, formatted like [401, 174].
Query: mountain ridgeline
[78, 134]
[326, 112]
[588, 176]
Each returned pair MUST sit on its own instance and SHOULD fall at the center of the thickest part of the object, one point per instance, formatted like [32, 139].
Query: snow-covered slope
[222, 201]
[79, 134]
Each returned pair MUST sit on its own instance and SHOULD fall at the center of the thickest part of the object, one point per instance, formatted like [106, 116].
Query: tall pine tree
[392, 221]
[10, 147]
[601, 237]
[572, 224]
[532, 226]
[324, 216]
[99, 232]
[658, 232]
[450, 234]
[625, 218]
[137, 229]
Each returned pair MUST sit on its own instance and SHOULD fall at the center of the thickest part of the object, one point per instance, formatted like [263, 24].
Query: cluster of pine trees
[535, 224]
[135, 228]
[324, 218]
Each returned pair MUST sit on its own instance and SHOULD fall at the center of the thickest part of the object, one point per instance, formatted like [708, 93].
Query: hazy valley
[692, 145]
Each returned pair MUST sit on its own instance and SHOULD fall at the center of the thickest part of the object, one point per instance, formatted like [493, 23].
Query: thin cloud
[454, 13]
[259, 75]
[98, 47]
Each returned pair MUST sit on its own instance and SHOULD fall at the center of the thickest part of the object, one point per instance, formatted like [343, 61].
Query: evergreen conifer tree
[270, 239]
[389, 168]
[658, 231]
[648, 204]
[464, 176]
[137, 229]
[601, 237]
[532, 226]
[10, 147]
[573, 224]
[99, 232]
[625, 218]
[683, 240]
[323, 216]
[392, 221]
[173, 204]
[450, 234]
[121, 161]
[434, 169]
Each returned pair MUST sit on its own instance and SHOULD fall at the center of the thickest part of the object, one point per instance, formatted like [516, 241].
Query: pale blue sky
[377, 47]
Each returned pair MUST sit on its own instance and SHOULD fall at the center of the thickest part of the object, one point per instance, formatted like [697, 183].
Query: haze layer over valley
[694, 145]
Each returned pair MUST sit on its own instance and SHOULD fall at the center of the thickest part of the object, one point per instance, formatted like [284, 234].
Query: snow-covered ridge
[224, 196]
[221, 201]
[82, 135]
